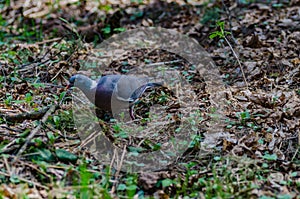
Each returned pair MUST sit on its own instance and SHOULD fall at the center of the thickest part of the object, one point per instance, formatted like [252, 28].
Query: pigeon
[113, 92]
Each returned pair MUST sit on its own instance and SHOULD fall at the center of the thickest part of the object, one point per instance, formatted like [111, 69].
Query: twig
[25, 116]
[296, 152]
[11, 129]
[112, 160]
[54, 130]
[54, 85]
[89, 138]
[63, 68]
[53, 78]
[121, 162]
[34, 132]
[49, 40]
[35, 61]
[20, 108]
[6, 148]
[237, 58]
[164, 63]
[38, 170]
[7, 165]
[119, 169]
[25, 180]
[8, 110]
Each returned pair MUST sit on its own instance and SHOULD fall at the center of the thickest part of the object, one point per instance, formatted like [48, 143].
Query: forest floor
[254, 154]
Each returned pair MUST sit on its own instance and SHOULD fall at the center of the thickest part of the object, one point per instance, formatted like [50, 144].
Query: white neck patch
[93, 85]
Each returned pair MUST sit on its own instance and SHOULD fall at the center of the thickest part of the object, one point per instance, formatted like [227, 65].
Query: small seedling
[106, 30]
[8, 100]
[222, 35]
[28, 98]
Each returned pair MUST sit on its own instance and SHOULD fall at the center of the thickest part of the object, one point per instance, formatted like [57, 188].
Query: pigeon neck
[89, 89]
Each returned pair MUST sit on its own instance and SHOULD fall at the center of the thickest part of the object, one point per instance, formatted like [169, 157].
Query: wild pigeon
[113, 92]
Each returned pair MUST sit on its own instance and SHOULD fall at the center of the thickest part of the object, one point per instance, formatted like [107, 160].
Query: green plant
[136, 15]
[29, 31]
[70, 25]
[28, 98]
[119, 131]
[50, 137]
[85, 178]
[268, 156]
[56, 120]
[129, 187]
[106, 8]
[106, 30]
[63, 121]
[119, 29]
[221, 34]
[8, 100]
[243, 116]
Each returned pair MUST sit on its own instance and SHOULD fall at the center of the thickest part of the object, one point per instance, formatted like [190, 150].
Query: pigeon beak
[69, 86]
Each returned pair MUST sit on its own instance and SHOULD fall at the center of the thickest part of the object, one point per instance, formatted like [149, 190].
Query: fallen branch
[25, 116]
[34, 131]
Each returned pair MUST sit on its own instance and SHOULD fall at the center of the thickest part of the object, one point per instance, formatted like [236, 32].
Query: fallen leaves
[263, 122]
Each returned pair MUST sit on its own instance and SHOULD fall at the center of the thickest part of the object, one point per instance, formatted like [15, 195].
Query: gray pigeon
[113, 92]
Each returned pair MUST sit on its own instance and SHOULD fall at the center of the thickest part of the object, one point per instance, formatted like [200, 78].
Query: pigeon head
[85, 84]
[72, 81]
[82, 82]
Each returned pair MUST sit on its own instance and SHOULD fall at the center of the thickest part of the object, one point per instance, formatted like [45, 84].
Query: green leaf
[64, 20]
[2, 78]
[277, 5]
[51, 137]
[214, 34]
[20, 140]
[166, 182]
[221, 24]
[265, 165]
[120, 29]
[62, 95]
[8, 100]
[28, 97]
[131, 187]
[285, 196]
[56, 120]
[25, 133]
[106, 30]
[245, 115]
[217, 158]
[43, 155]
[106, 7]
[121, 187]
[14, 179]
[38, 142]
[65, 156]
[294, 174]
[227, 33]
[38, 85]
[270, 157]
[260, 141]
